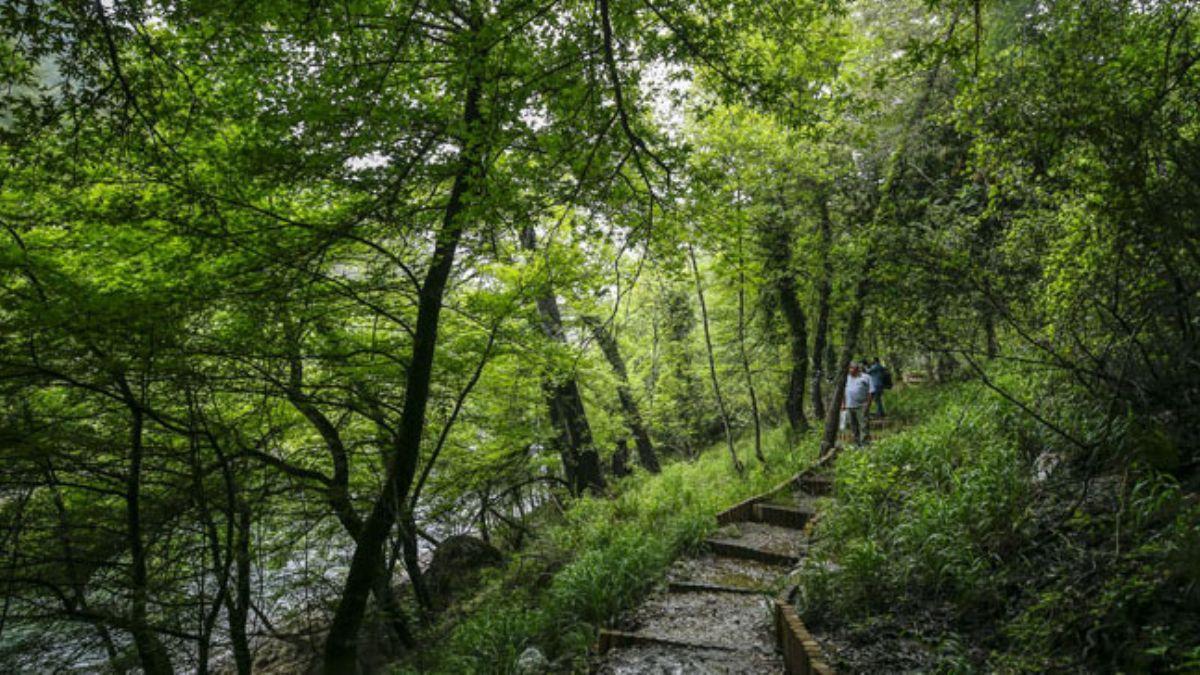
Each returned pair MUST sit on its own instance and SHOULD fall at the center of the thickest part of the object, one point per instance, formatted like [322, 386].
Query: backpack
[887, 379]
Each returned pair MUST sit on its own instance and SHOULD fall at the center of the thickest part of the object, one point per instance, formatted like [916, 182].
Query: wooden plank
[697, 587]
[733, 549]
[614, 639]
[744, 510]
[794, 517]
[801, 653]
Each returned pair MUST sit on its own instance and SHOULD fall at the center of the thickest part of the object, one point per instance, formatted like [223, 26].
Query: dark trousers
[878, 396]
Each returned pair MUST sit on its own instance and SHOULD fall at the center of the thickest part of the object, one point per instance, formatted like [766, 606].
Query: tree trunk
[341, 645]
[831, 361]
[758, 452]
[337, 492]
[484, 499]
[989, 326]
[712, 363]
[238, 604]
[390, 608]
[151, 652]
[679, 325]
[412, 562]
[633, 416]
[620, 459]
[824, 291]
[221, 562]
[778, 245]
[797, 351]
[943, 364]
[581, 460]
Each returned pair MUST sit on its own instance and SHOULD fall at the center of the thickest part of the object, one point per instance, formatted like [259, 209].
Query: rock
[1045, 464]
[456, 564]
[532, 661]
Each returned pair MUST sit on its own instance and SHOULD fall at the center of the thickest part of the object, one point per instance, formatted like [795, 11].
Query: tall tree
[581, 461]
[633, 416]
[824, 293]
[341, 645]
[712, 362]
[777, 238]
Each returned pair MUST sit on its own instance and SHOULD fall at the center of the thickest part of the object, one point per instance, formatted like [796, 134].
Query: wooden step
[731, 548]
[613, 639]
[820, 485]
[698, 587]
[794, 517]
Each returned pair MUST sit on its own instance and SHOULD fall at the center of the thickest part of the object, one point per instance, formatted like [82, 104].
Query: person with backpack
[881, 379]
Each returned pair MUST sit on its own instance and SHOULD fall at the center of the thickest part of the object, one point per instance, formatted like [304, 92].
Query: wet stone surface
[662, 659]
[741, 622]
[728, 572]
[781, 540]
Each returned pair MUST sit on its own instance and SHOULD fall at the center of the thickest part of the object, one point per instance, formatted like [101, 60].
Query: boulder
[456, 564]
[532, 662]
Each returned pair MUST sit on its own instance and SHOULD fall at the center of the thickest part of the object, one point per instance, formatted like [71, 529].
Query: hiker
[881, 379]
[856, 402]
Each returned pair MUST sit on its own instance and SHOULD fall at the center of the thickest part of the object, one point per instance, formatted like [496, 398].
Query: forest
[425, 336]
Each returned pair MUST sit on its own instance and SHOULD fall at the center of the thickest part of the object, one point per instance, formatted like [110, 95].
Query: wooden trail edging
[744, 510]
[801, 653]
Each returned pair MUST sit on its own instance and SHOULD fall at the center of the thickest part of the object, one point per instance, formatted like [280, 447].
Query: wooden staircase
[720, 612]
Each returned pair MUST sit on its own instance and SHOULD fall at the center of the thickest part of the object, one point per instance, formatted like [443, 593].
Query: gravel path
[687, 660]
[732, 620]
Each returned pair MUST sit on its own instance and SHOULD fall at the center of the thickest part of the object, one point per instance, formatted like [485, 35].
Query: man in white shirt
[857, 401]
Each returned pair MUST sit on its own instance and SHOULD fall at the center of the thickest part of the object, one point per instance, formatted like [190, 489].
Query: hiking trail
[723, 611]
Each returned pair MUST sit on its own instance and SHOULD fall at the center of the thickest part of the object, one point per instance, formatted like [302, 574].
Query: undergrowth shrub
[1058, 543]
[922, 511]
[1121, 590]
